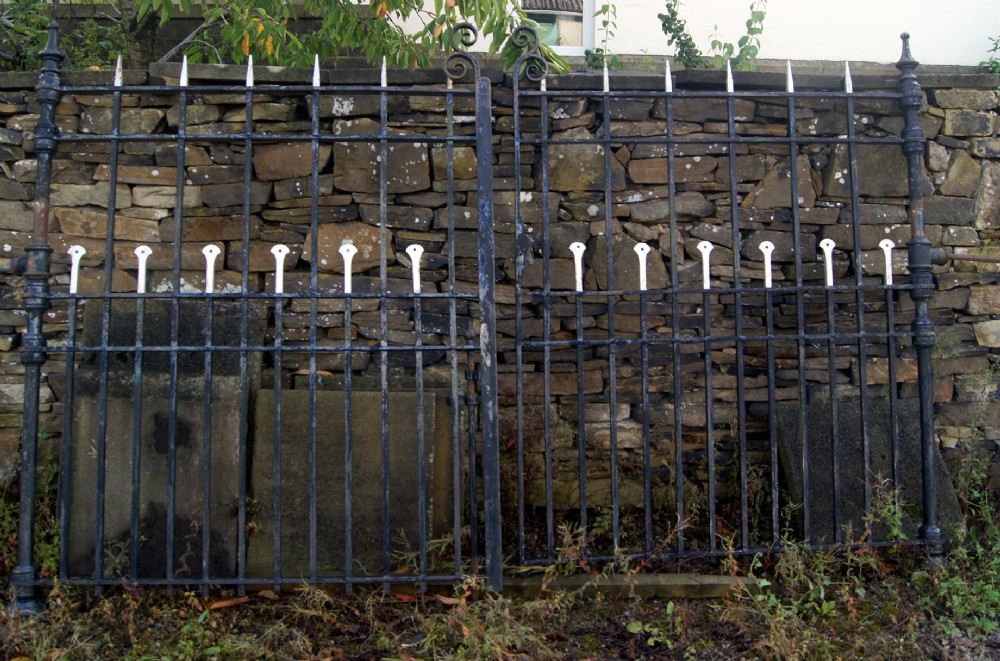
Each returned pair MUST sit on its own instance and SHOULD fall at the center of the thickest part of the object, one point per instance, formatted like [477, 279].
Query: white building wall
[956, 32]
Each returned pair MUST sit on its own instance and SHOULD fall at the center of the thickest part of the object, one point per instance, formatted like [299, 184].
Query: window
[566, 25]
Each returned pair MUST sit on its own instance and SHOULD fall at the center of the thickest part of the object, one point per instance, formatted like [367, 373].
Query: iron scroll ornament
[531, 65]
[458, 64]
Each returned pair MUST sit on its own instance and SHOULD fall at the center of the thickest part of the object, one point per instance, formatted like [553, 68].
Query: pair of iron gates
[495, 348]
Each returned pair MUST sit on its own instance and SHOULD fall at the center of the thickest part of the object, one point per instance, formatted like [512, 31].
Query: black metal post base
[26, 599]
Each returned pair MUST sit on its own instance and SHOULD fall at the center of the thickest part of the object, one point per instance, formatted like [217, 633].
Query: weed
[992, 63]
[481, 625]
[964, 593]
[741, 54]
[597, 58]
[46, 520]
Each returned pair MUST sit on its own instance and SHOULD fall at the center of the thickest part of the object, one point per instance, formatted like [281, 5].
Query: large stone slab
[137, 423]
[819, 442]
[367, 497]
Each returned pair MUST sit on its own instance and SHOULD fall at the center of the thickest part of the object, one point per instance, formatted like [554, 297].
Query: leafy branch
[740, 55]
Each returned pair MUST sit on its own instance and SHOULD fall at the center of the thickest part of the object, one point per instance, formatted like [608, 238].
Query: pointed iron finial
[250, 71]
[51, 51]
[668, 80]
[184, 72]
[848, 81]
[385, 78]
[316, 70]
[789, 81]
[907, 55]
[118, 72]
[730, 86]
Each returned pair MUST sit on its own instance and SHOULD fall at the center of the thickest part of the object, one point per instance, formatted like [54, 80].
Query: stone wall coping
[770, 76]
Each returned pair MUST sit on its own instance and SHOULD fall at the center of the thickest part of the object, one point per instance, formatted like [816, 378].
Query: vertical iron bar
[456, 463]
[837, 496]
[612, 344]
[313, 338]
[522, 245]
[922, 289]
[33, 355]
[175, 331]
[244, 426]
[800, 323]
[383, 203]
[487, 336]
[859, 303]
[738, 316]
[675, 325]
[550, 518]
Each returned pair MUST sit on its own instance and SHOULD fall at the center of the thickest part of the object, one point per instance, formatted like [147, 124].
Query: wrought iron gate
[651, 366]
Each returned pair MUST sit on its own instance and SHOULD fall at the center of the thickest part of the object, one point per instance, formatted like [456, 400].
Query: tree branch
[187, 40]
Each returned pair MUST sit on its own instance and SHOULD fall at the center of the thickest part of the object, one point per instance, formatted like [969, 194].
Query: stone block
[360, 489]
[963, 176]
[967, 99]
[288, 160]
[356, 165]
[879, 426]
[987, 204]
[968, 123]
[581, 166]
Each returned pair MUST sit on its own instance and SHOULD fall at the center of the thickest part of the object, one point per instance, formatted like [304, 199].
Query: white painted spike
[347, 250]
[280, 251]
[607, 85]
[415, 251]
[641, 249]
[250, 71]
[142, 253]
[848, 82]
[705, 248]
[668, 79]
[767, 248]
[385, 78]
[827, 246]
[316, 70]
[184, 72]
[730, 86]
[76, 253]
[542, 85]
[119, 78]
[789, 80]
[887, 245]
[211, 251]
[578, 249]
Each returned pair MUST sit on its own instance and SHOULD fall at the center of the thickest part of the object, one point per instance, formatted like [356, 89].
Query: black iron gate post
[36, 302]
[457, 66]
[922, 289]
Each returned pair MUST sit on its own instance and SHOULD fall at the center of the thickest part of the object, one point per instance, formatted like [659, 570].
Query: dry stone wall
[961, 184]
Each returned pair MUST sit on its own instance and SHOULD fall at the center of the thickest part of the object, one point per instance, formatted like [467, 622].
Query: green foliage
[965, 590]
[993, 62]
[46, 520]
[23, 24]
[235, 29]
[596, 58]
[740, 55]
[87, 42]
[686, 52]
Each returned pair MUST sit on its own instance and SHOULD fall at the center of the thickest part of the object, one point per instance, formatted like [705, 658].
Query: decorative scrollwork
[525, 36]
[531, 65]
[459, 63]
